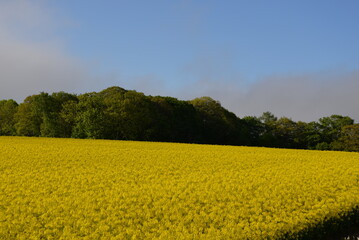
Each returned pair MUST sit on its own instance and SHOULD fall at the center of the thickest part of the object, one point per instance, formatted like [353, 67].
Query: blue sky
[295, 58]
[260, 38]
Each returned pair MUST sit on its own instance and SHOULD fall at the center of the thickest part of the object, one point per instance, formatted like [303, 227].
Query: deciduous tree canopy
[116, 113]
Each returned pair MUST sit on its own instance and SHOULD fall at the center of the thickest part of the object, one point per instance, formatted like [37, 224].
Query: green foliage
[300, 135]
[323, 146]
[113, 99]
[175, 120]
[285, 131]
[253, 129]
[312, 135]
[64, 113]
[67, 117]
[116, 113]
[349, 139]
[27, 122]
[136, 116]
[129, 114]
[330, 127]
[8, 109]
[41, 115]
[218, 125]
[90, 118]
[267, 118]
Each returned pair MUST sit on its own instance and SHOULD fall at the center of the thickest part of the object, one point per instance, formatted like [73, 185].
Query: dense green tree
[90, 119]
[284, 131]
[300, 135]
[63, 97]
[348, 140]
[136, 116]
[331, 126]
[253, 129]
[313, 135]
[47, 109]
[176, 121]
[218, 125]
[27, 121]
[268, 118]
[113, 99]
[330, 129]
[67, 117]
[268, 138]
[66, 113]
[8, 109]
[116, 113]
[129, 114]
[37, 116]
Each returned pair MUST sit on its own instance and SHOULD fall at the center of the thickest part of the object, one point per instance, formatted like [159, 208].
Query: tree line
[116, 113]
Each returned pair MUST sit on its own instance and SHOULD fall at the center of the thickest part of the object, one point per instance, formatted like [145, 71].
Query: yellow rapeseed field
[98, 189]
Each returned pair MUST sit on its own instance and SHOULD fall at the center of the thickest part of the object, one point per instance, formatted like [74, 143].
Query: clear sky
[298, 59]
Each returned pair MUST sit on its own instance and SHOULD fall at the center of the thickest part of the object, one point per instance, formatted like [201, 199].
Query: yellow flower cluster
[98, 189]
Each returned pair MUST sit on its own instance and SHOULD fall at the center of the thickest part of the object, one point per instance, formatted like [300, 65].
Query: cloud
[211, 74]
[33, 58]
[304, 97]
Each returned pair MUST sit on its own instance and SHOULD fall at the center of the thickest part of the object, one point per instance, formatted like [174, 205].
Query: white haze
[300, 97]
[33, 58]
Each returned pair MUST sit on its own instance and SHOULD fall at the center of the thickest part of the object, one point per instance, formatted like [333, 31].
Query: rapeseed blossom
[100, 189]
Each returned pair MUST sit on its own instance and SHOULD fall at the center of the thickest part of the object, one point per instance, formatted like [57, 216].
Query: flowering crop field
[98, 189]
